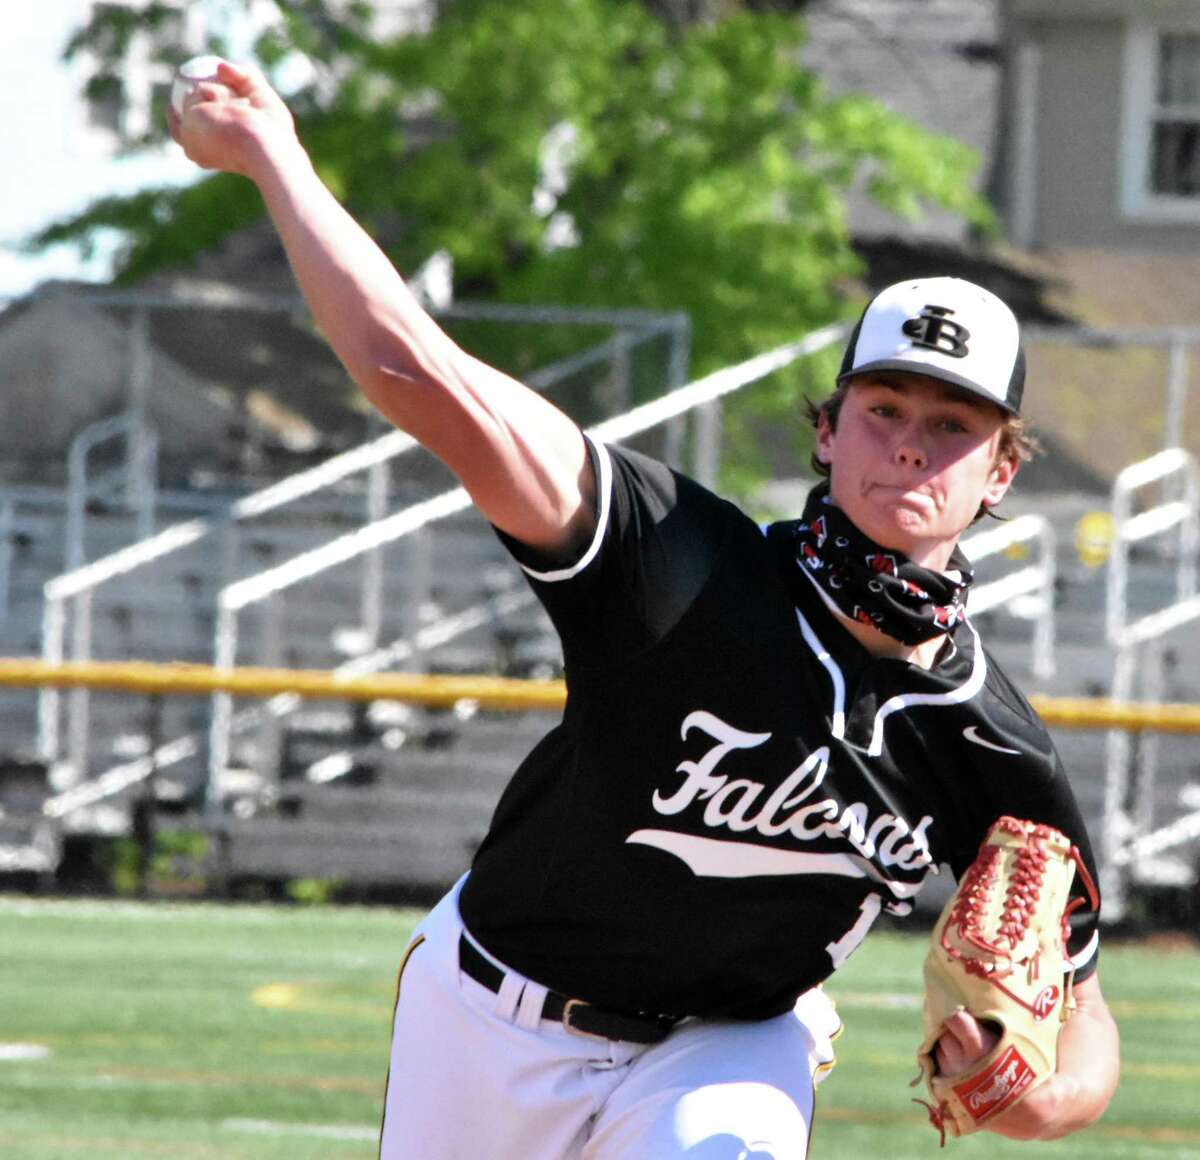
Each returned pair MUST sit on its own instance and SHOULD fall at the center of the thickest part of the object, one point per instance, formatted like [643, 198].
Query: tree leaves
[584, 152]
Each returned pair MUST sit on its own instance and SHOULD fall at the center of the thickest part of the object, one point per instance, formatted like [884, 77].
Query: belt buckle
[570, 1027]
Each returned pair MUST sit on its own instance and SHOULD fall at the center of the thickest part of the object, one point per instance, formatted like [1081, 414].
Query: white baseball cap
[946, 328]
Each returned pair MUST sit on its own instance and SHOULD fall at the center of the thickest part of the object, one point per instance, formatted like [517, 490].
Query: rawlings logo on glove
[999, 953]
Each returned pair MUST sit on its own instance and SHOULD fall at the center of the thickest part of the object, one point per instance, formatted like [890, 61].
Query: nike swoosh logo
[971, 733]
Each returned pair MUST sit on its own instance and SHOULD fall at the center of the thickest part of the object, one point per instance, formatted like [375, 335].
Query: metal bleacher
[314, 788]
[303, 787]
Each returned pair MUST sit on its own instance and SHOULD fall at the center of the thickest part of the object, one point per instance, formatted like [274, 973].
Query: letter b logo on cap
[933, 329]
[920, 326]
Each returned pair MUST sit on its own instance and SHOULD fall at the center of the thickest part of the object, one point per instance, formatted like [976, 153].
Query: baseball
[191, 72]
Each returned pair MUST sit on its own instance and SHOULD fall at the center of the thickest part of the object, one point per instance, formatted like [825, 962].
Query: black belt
[576, 1015]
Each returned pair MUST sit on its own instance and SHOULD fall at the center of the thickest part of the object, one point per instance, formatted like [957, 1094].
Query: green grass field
[131, 1030]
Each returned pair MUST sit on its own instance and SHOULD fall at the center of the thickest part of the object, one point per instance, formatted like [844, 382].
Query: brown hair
[1016, 440]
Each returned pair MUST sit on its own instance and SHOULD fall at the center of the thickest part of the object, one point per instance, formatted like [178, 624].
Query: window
[1175, 121]
[1161, 160]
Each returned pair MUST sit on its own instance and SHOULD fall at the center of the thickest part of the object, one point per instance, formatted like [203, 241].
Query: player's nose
[909, 452]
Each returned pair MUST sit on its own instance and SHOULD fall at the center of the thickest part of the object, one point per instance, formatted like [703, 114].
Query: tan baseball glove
[999, 952]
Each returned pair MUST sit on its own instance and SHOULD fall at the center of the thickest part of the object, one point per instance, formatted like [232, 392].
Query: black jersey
[737, 787]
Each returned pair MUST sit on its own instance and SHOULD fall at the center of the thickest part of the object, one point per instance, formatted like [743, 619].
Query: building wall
[1074, 72]
[1078, 109]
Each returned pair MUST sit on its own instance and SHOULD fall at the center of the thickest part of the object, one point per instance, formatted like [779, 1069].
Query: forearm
[1083, 1082]
[522, 460]
[1089, 1056]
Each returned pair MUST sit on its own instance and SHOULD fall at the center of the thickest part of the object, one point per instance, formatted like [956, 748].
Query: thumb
[964, 1041]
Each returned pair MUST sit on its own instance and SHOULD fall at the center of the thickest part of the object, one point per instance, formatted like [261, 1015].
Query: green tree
[672, 155]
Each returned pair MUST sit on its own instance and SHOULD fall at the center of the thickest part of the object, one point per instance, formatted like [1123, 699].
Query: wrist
[1053, 1110]
[273, 157]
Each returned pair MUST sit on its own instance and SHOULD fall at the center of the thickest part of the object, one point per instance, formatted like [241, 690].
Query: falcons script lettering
[791, 810]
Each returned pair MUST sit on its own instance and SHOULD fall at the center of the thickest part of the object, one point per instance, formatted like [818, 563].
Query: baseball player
[770, 737]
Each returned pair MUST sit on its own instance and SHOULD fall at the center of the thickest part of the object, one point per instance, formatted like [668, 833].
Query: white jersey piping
[964, 692]
[1088, 953]
[605, 485]
[838, 720]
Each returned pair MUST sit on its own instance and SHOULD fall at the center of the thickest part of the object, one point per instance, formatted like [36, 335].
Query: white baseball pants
[477, 1075]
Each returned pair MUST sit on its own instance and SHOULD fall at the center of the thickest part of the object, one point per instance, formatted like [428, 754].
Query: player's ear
[825, 437]
[1000, 480]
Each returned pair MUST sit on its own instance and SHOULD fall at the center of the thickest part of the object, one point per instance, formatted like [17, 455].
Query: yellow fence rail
[176, 678]
[1101, 713]
[487, 692]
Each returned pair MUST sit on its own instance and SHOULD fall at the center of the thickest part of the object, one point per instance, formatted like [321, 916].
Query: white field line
[874, 1000]
[22, 1052]
[249, 914]
[53, 1081]
[323, 1131]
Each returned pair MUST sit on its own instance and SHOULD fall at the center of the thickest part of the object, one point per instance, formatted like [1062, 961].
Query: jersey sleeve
[1037, 789]
[657, 537]
[1056, 806]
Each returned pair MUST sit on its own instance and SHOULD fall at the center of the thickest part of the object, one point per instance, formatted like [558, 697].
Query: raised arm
[522, 460]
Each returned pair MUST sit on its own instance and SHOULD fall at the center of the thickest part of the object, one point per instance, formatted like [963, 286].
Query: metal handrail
[80, 583]
[1130, 528]
[140, 481]
[1122, 845]
[1039, 578]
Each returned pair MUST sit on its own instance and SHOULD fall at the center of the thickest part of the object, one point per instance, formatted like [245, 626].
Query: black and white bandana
[876, 586]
